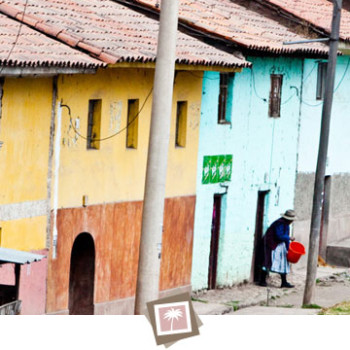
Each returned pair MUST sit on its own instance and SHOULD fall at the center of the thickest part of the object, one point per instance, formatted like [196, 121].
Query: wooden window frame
[181, 124]
[276, 81]
[321, 80]
[94, 124]
[132, 124]
[226, 80]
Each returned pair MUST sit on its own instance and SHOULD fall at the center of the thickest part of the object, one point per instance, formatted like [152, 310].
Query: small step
[338, 254]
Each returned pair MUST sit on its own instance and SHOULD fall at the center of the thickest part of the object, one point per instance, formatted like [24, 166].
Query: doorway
[259, 231]
[82, 275]
[214, 242]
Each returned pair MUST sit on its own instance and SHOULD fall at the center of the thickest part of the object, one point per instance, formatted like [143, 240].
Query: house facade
[334, 231]
[264, 160]
[93, 152]
[243, 146]
[23, 179]
[292, 164]
[335, 218]
[259, 135]
[100, 190]
[27, 88]
[273, 164]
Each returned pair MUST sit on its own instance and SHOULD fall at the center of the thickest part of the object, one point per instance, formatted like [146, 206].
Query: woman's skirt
[280, 263]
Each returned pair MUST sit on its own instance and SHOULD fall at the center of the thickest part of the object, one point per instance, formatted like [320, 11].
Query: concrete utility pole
[153, 205]
[322, 158]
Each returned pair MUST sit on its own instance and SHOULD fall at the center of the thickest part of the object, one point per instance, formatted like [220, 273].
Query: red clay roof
[242, 22]
[34, 49]
[110, 32]
[316, 12]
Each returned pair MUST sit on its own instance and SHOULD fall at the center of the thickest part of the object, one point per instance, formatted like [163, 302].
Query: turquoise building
[263, 125]
[260, 131]
[273, 164]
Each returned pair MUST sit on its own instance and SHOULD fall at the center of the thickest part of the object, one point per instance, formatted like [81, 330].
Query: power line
[334, 91]
[111, 136]
[309, 74]
[254, 87]
[342, 78]
[292, 95]
[309, 104]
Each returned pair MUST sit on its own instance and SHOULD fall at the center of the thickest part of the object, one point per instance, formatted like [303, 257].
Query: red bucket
[296, 250]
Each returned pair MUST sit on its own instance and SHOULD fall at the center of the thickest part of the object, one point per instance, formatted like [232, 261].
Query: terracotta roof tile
[316, 12]
[33, 49]
[243, 22]
[50, 30]
[9, 10]
[107, 30]
[32, 21]
[68, 39]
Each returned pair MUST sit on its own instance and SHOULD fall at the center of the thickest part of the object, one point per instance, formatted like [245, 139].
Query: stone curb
[250, 295]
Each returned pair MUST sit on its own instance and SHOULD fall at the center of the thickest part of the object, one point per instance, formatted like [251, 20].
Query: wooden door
[259, 231]
[214, 243]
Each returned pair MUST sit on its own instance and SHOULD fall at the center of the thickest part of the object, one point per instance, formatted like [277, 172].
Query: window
[132, 124]
[94, 124]
[275, 96]
[321, 80]
[181, 124]
[226, 87]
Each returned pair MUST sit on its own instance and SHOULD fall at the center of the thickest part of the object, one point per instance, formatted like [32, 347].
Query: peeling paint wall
[25, 131]
[113, 177]
[37, 173]
[115, 172]
[264, 158]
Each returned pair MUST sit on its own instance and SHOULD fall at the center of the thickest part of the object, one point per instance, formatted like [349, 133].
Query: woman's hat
[289, 215]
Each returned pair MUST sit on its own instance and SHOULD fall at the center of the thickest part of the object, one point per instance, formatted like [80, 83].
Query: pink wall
[32, 290]
[7, 274]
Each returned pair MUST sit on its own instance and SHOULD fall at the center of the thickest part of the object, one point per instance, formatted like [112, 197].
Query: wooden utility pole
[322, 158]
[153, 205]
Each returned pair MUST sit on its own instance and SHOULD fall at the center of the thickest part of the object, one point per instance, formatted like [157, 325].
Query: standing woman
[275, 245]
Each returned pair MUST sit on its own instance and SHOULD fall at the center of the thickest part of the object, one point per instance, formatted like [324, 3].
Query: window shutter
[275, 96]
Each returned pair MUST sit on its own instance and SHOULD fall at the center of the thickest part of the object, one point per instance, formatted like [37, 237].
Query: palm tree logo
[171, 315]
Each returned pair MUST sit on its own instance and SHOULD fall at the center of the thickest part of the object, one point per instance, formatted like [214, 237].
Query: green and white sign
[216, 169]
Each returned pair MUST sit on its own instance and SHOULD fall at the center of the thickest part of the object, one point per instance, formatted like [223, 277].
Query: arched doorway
[82, 274]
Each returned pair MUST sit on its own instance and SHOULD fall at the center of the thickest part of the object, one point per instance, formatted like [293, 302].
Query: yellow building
[75, 152]
[101, 186]
[26, 91]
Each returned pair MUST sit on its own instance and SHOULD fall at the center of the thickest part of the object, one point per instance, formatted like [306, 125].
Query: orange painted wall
[113, 179]
[176, 263]
[116, 231]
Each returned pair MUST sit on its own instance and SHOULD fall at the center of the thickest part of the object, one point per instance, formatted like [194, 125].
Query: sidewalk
[332, 287]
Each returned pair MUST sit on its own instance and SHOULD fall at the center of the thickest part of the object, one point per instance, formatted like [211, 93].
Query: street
[332, 287]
